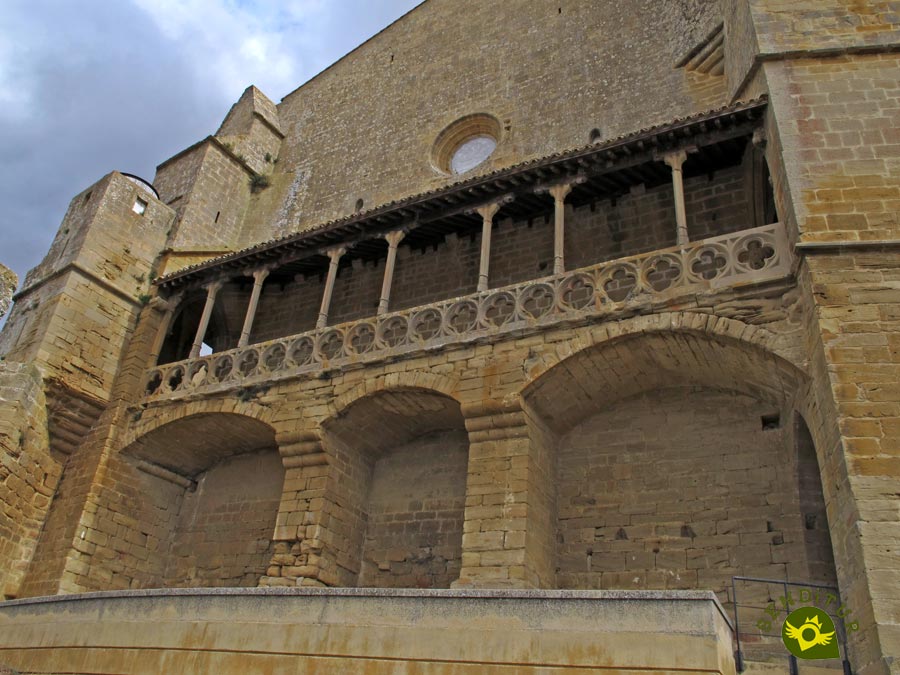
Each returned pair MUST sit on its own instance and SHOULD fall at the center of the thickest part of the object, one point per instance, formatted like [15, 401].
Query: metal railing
[766, 620]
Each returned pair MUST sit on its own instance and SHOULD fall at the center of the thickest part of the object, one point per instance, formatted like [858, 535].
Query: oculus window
[471, 153]
[465, 144]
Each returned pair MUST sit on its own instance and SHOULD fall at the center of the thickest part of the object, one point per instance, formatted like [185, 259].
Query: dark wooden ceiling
[608, 171]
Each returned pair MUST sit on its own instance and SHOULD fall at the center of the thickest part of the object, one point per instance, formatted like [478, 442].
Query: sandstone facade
[648, 344]
[8, 282]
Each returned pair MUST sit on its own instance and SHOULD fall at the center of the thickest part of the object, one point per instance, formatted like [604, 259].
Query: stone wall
[816, 536]
[685, 488]
[820, 345]
[415, 514]
[78, 308]
[840, 145]
[588, 80]
[29, 474]
[223, 535]
[336, 553]
[209, 188]
[831, 78]
[319, 535]
[857, 304]
[8, 283]
[169, 531]
[509, 536]
[785, 26]
[253, 130]
[398, 488]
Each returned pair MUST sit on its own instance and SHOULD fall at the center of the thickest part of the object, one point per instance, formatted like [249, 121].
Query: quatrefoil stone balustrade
[751, 256]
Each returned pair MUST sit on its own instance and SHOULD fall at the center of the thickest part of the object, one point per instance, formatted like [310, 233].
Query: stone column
[675, 160]
[259, 277]
[335, 255]
[487, 212]
[508, 536]
[211, 292]
[303, 554]
[168, 308]
[393, 239]
[559, 193]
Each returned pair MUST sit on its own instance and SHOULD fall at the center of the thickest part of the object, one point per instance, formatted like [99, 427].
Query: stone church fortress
[503, 345]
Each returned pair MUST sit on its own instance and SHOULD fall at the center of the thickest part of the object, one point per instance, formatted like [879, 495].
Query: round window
[466, 144]
[472, 153]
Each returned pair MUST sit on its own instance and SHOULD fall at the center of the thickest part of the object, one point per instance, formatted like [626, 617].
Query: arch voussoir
[402, 380]
[699, 323]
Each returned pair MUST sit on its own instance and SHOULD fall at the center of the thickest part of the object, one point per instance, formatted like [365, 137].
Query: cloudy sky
[87, 86]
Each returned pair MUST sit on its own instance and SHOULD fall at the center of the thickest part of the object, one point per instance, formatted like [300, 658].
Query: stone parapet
[368, 631]
[653, 279]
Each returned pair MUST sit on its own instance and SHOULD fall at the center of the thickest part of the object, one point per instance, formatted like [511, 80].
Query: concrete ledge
[371, 631]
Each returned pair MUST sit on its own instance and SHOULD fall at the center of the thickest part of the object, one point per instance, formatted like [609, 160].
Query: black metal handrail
[786, 601]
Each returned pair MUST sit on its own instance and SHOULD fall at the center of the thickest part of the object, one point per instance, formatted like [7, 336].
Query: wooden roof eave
[615, 155]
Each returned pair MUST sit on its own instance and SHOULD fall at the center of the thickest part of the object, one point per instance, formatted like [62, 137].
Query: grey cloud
[109, 91]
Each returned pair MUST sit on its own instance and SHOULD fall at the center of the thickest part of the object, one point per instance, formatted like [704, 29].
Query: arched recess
[811, 501]
[677, 464]
[399, 461]
[206, 498]
[183, 328]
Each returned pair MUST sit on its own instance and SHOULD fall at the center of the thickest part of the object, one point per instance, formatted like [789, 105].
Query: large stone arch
[398, 459]
[687, 355]
[158, 416]
[675, 322]
[676, 458]
[396, 381]
[202, 498]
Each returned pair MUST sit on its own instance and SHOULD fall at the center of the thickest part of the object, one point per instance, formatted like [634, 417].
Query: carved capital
[760, 138]
[335, 253]
[675, 159]
[560, 192]
[394, 238]
[260, 275]
[488, 211]
[213, 287]
[561, 189]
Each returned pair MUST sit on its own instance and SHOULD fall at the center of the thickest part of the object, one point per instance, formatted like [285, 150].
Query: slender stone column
[335, 255]
[259, 276]
[487, 212]
[675, 160]
[393, 239]
[559, 194]
[168, 307]
[211, 292]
